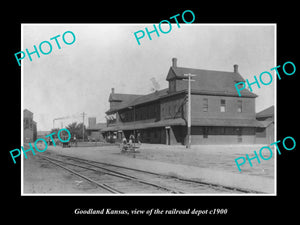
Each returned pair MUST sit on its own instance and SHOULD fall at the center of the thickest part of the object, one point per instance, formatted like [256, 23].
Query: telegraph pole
[189, 109]
[83, 114]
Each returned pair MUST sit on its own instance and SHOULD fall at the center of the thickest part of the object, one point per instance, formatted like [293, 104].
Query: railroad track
[120, 180]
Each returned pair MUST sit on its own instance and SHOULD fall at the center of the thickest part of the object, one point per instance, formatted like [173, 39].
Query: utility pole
[189, 110]
[83, 114]
[133, 107]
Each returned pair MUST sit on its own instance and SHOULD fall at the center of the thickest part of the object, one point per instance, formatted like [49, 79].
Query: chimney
[112, 90]
[235, 68]
[174, 62]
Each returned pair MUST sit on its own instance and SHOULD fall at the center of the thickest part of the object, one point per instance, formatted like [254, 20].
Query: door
[168, 141]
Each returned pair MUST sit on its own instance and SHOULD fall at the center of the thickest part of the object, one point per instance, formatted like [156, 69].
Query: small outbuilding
[265, 133]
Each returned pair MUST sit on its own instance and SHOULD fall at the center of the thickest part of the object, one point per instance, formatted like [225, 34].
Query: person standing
[75, 140]
[138, 138]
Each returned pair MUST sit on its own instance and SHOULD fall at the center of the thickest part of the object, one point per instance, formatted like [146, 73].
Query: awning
[266, 123]
[106, 129]
[226, 122]
[181, 122]
[143, 125]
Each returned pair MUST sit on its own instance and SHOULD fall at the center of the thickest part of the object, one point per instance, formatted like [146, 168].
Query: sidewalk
[220, 177]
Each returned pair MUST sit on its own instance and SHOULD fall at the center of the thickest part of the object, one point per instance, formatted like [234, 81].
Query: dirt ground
[217, 157]
[43, 177]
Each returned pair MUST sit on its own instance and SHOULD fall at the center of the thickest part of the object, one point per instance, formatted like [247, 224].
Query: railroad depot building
[218, 114]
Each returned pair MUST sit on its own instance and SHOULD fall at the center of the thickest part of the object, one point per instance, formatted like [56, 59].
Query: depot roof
[138, 125]
[207, 82]
[211, 81]
[268, 112]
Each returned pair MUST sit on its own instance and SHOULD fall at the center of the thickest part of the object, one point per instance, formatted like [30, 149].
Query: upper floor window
[239, 107]
[205, 105]
[223, 105]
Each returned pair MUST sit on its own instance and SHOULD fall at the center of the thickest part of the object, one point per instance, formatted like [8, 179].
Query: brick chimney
[112, 90]
[174, 62]
[235, 68]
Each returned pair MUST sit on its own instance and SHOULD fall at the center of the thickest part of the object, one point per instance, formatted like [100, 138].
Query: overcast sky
[78, 78]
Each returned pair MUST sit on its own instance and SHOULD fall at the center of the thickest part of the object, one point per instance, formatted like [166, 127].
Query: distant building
[42, 134]
[29, 126]
[94, 130]
[265, 133]
[219, 115]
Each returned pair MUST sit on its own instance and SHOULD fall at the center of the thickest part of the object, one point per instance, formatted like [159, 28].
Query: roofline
[231, 94]
[195, 92]
[162, 97]
[219, 71]
[266, 115]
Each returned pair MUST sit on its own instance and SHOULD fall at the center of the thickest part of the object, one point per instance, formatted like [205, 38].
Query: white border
[174, 195]
[22, 114]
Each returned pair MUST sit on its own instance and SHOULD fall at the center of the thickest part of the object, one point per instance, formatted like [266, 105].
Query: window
[205, 132]
[239, 108]
[155, 134]
[223, 106]
[205, 105]
[130, 116]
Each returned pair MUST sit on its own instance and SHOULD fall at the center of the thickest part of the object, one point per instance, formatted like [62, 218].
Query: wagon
[130, 147]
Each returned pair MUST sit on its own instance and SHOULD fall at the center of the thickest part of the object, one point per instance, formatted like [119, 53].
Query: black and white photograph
[107, 111]
[136, 113]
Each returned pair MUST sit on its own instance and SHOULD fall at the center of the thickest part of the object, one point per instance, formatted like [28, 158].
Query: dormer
[175, 82]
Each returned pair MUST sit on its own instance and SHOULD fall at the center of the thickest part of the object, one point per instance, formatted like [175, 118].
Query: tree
[55, 130]
[76, 130]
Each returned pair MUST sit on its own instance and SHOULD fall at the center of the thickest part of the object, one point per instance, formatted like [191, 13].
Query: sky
[78, 77]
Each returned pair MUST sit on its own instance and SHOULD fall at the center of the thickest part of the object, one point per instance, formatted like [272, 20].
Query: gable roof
[27, 113]
[115, 97]
[211, 81]
[122, 99]
[141, 99]
[268, 112]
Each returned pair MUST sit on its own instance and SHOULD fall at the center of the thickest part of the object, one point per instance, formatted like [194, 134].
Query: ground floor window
[205, 132]
[239, 134]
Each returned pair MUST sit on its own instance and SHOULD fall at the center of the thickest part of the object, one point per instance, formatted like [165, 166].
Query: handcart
[130, 147]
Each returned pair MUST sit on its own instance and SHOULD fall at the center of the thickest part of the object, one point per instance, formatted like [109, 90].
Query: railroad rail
[124, 173]
[107, 187]
[102, 185]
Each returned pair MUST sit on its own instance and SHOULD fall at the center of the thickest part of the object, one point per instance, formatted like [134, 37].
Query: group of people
[132, 140]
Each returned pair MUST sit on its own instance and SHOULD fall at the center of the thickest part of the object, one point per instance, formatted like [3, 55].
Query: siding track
[120, 180]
